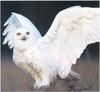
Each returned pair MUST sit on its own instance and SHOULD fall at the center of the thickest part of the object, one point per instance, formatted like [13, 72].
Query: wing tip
[6, 23]
[3, 34]
[4, 43]
[13, 13]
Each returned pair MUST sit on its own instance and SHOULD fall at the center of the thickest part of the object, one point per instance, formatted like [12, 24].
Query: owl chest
[19, 58]
[23, 61]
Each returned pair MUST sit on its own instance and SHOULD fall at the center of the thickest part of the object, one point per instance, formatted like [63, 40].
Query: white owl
[45, 57]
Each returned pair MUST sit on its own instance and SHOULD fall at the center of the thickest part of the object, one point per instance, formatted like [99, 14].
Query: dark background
[42, 13]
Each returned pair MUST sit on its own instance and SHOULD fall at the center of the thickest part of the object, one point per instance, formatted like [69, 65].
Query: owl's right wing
[14, 22]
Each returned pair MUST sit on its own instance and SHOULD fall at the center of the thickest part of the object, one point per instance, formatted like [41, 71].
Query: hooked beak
[24, 38]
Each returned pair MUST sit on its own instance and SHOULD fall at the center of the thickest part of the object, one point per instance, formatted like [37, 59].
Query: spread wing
[73, 29]
[14, 22]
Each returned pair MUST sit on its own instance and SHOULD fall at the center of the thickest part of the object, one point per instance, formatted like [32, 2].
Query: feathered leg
[64, 70]
[41, 80]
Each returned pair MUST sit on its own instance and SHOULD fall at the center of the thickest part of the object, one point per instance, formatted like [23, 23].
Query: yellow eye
[27, 33]
[18, 34]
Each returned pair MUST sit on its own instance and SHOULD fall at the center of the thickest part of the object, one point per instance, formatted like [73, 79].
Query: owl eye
[18, 34]
[27, 33]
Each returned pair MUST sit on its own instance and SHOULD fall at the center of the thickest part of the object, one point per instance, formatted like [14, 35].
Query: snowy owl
[45, 57]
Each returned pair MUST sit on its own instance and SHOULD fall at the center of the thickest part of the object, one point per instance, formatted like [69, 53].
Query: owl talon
[41, 84]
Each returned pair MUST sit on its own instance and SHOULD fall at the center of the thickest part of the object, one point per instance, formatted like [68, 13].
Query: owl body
[36, 64]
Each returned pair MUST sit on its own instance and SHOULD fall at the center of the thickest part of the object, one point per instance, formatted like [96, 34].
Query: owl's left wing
[72, 30]
[14, 22]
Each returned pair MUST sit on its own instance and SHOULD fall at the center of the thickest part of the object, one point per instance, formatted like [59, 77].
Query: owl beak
[24, 38]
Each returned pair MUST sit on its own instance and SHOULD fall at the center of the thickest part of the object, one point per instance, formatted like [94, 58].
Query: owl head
[23, 38]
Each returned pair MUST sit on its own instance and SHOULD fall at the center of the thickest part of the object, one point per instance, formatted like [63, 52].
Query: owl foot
[63, 71]
[41, 84]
